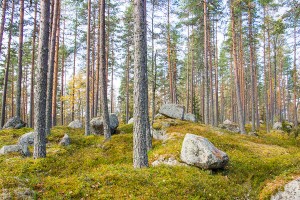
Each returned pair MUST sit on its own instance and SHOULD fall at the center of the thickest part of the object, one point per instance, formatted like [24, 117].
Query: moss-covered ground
[93, 169]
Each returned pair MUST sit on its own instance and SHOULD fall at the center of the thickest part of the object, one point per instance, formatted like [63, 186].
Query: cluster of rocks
[288, 126]
[174, 111]
[24, 142]
[97, 124]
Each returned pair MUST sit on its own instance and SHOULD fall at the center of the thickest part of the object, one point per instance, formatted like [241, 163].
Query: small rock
[15, 123]
[289, 126]
[65, 141]
[27, 139]
[165, 124]
[23, 150]
[230, 127]
[131, 121]
[5, 195]
[159, 134]
[277, 126]
[227, 122]
[172, 110]
[24, 193]
[253, 134]
[190, 117]
[75, 124]
[200, 152]
[291, 191]
[167, 161]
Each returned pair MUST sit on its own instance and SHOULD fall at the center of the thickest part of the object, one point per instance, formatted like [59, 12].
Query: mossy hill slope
[92, 169]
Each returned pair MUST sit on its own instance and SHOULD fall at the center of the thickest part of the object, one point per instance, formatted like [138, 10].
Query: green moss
[286, 127]
[93, 169]
[125, 128]
[157, 125]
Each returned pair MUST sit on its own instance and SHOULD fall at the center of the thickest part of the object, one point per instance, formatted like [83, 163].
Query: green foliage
[286, 126]
[125, 128]
[295, 131]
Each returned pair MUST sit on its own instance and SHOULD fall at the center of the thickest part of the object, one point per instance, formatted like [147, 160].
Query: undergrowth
[93, 169]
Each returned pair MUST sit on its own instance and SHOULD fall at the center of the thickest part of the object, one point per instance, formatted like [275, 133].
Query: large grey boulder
[172, 110]
[114, 121]
[190, 117]
[200, 152]
[27, 139]
[291, 191]
[131, 121]
[65, 141]
[14, 123]
[277, 126]
[75, 124]
[23, 150]
[97, 124]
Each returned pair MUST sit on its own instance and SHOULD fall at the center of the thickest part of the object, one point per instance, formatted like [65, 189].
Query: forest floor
[91, 169]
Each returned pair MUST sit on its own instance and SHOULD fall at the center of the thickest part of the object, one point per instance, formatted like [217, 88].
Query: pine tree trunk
[188, 72]
[92, 108]
[153, 57]
[112, 80]
[148, 130]
[127, 85]
[271, 100]
[41, 82]
[265, 78]
[295, 78]
[211, 91]
[20, 59]
[55, 79]
[251, 67]
[216, 78]
[236, 77]
[51, 69]
[206, 79]
[87, 104]
[31, 118]
[12, 89]
[4, 93]
[62, 77]
[103, 74]
[4, 5]
[74, 68]
[98, 68]
[170, 71]
[140, 157]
